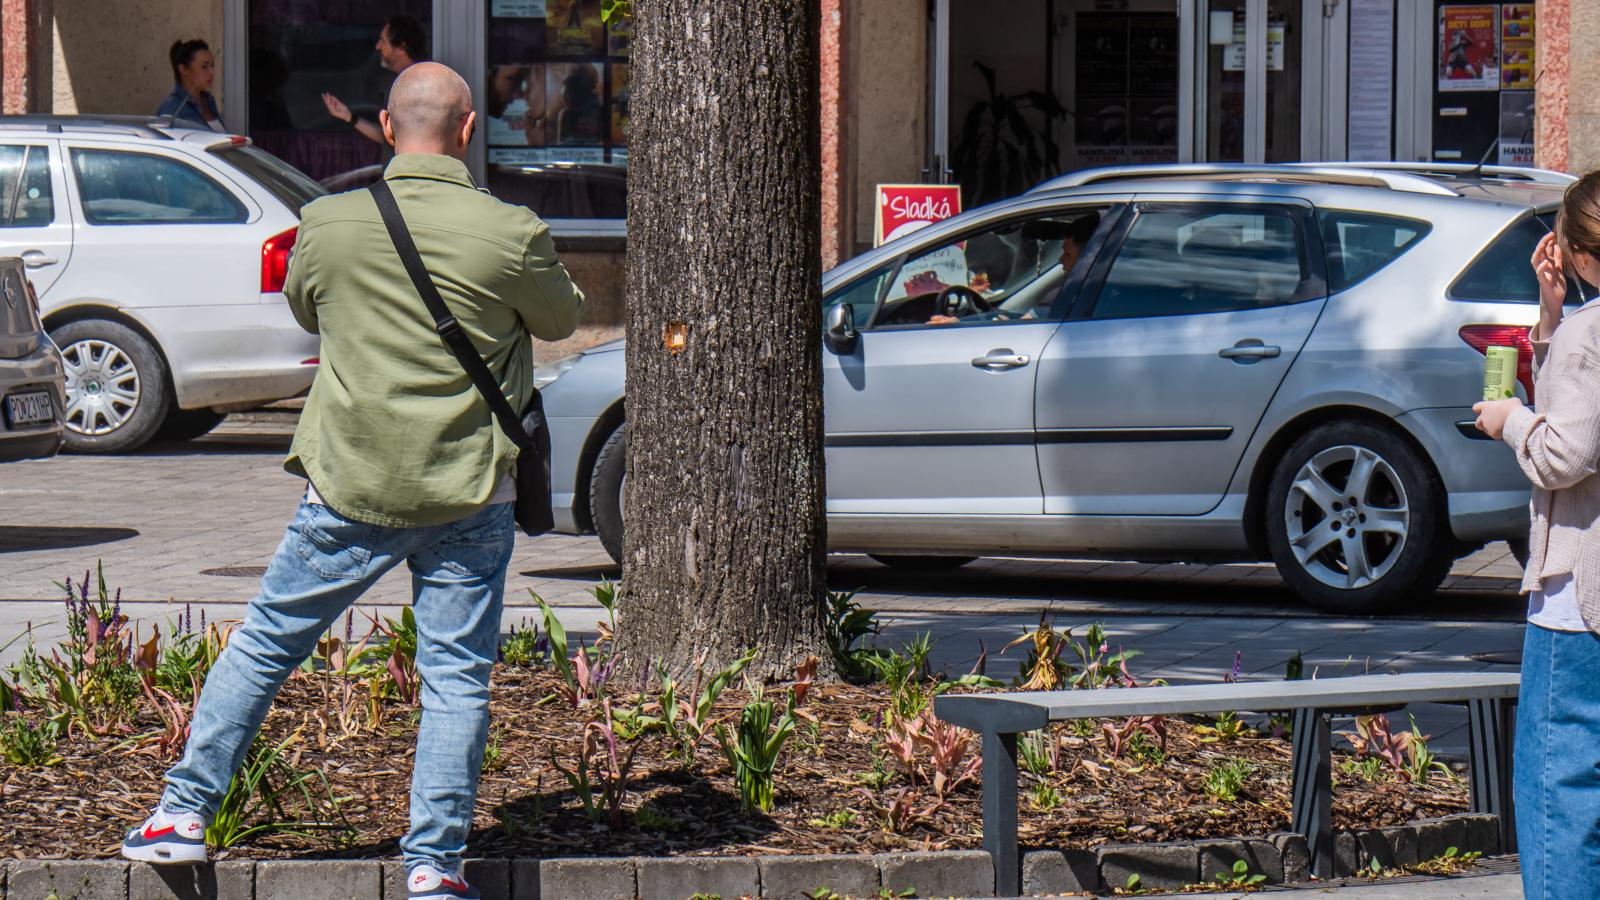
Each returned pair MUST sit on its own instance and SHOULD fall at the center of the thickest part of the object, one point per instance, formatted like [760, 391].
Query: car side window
[26, 200]
[1501, 273]
[861, 294]
[1358, 244]
[122, 188]
[1188, 260]
[1005, 274]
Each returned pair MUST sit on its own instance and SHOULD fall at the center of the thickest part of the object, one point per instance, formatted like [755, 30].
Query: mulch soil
[81, 807]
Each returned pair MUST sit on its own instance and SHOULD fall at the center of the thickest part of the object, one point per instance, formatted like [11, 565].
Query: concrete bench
[999, 718]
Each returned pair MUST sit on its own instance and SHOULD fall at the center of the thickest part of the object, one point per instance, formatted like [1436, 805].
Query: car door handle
[1002, 358]
[1250, 350]
[35, 259]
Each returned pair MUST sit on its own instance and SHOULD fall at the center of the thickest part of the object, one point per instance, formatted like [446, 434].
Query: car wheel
[117, 393]
[1355, 519]
[922, 563]
[188, 424]
[605, 492]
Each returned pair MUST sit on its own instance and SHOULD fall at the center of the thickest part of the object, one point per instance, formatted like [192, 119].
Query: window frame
[1113, 211]
[1314, 286]
[8, 216]
[243, 210]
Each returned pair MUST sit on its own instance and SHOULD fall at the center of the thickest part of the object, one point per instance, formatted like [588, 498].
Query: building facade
[992, 94]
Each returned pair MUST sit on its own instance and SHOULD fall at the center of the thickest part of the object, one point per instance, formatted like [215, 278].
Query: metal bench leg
[1313, 788]
[1489, 737]
[1000, 811]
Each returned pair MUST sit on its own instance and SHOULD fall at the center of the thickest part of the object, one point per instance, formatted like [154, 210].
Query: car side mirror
[839, 331]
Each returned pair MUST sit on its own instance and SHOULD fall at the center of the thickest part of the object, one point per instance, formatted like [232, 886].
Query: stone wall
[110, 56]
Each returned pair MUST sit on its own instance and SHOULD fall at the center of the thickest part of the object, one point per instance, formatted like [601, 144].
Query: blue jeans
[1557, 765]
[325, 563]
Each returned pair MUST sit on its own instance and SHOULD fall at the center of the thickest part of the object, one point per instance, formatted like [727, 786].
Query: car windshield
[292, 187]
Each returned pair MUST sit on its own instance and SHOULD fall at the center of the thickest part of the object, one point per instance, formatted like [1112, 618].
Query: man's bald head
[428, 112]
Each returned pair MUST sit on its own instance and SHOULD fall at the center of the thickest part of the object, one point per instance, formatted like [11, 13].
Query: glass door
[1251, 79]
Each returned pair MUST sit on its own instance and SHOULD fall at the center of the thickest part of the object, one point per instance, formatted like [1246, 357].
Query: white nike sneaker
[167, 838]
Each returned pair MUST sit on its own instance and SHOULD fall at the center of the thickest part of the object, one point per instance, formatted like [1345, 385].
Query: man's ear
[467, 125]
[386, 125]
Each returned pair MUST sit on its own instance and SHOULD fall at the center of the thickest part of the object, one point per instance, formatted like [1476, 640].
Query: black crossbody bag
[529, 431]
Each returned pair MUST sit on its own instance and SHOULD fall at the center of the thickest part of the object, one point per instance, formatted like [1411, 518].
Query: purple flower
[1238, 658]
[187, 618]
[116, 606]
[349, 626]
[202, 620]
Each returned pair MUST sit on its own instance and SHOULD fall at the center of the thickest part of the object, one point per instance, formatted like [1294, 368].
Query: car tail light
[1482, 337]
[275, 261]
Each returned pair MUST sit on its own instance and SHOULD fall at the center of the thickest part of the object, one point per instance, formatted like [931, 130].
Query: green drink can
[1500, 373]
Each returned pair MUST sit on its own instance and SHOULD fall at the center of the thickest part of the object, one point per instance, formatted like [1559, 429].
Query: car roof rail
[142, 126]
[1526, 174]
[1318, 173]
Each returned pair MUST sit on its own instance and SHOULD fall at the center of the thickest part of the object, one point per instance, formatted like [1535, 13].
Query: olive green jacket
[393, 431]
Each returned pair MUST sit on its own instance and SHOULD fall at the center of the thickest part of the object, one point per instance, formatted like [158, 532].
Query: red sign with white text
[903, 208]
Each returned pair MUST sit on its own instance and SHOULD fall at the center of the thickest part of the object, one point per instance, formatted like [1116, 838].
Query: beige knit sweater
[1557, 444]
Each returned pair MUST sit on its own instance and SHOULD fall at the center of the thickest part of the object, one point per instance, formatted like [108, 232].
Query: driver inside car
[959, 303]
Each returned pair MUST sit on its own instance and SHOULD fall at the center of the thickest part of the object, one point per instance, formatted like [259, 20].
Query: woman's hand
[1552, 278]
[1492, 415]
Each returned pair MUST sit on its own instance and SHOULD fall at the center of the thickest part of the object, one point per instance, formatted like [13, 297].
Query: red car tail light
[1482, 337]
[275, 261]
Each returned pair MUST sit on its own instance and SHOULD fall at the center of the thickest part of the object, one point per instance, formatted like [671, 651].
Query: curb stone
[224, 880]
[591, 879]
[948, 873]
[1436, 836]
[68, 879]
[1347, 856]
[1067, 871]
[1260, 857]
[793, 877]
[298, 879]
[489, 877]
[1281, 857]
[1295, 855]
[677, 879]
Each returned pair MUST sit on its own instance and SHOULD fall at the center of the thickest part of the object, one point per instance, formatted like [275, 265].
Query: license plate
[29, 409]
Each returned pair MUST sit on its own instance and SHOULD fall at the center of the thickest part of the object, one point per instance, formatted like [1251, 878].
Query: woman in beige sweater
[1557, 444]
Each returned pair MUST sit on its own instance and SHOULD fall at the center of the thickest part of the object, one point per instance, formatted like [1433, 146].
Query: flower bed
[580, 765]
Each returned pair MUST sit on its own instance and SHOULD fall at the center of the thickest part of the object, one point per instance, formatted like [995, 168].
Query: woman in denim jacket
[193, 72]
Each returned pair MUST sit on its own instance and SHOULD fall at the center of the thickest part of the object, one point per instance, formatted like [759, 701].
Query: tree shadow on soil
[579, 573]
[689, 813]
[24, 538]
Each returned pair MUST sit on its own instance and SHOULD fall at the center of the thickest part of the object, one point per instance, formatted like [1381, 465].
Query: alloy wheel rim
[1347, 517]
[102, 386]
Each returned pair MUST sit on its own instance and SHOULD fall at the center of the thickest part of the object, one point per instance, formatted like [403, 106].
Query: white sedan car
[158, 251]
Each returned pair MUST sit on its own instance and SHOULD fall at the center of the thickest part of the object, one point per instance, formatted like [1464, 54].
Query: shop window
[302, 49]
[557, 108]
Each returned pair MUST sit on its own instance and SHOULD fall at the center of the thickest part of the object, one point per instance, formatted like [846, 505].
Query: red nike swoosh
[152, 835]
[453, 885]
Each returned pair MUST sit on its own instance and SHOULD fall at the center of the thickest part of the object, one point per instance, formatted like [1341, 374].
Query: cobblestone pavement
[194, 524]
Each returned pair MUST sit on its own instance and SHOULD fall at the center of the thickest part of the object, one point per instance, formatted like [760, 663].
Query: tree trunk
[724, 525]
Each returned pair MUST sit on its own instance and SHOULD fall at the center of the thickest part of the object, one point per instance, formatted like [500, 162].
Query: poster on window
[517, 9]
[903, 208]
[1516, 128]
[619, 36]
[1516, 46]
[574, 27]
[574, 115]
[1234, 59]
[621, 95]
[515, 106]
[1469, 48]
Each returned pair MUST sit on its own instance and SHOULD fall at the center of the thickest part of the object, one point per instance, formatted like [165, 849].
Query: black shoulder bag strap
[530, 432]
[447, 326]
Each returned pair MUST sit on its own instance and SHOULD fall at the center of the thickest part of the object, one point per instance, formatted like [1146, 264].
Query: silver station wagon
[1176, 363]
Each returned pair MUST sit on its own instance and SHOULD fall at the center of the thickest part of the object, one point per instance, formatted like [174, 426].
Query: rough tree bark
[724, 524]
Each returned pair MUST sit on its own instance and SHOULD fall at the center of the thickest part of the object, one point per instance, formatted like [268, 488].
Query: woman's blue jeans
[1557, 765]
[325, 563]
